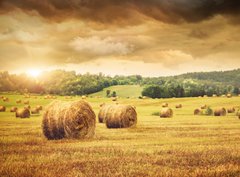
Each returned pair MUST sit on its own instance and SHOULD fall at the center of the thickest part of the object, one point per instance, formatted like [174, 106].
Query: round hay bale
[166, 112]
[2, 108]
[5, 99]
[231, 110]
[26, 102]
[204, 106]
[205, 96]
[114, 98]
[178, 106]
[68, 120]
[220, 112]
[13, 109]
[121, 116]
[197, 111]
[18, 101]
[238, 113]
[214, 95]
[39, 107]
[23, 113]
[27, 107]
[164, 105]
[35, 111]
[84, 97]
[223, 96]
[103, 113]
[229, 95]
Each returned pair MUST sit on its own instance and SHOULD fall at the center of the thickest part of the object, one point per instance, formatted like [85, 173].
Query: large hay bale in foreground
[179, 106]
[166, 112]
[120, 116]
[13, 109]
[220, 112]
[197, 111]
[23, 113]
[69, 120]
[2, 108]
[231, 110]
[164, 105]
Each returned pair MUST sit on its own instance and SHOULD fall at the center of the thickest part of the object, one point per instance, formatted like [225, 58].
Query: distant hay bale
[197, 111]
[178, 106]
[35, 111]
[27, 107]
[120, 116]
[214, 95]
[229, 95]
[2, 108]
[164, 105]
[204, 106]
[231, 110]
[205, 96]
[18, 101]
[23, 113]
[39, 107]
[26, 102]
[13, 109]
[5, 99]
[166, 112]
[223, 96]
[84, 97]
[68, 120]
[220, 112]
[114, 98]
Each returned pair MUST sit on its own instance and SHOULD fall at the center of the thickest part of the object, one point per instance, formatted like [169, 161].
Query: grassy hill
[122, 91]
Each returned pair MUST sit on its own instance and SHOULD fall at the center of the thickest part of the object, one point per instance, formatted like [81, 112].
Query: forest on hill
[69, 83]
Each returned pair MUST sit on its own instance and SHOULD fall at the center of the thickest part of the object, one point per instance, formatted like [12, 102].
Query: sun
[34, 72]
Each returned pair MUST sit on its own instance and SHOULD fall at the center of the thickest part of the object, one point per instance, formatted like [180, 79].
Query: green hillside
[122, 91]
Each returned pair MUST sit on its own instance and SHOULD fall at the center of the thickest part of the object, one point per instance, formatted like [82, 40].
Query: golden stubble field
[185, 145]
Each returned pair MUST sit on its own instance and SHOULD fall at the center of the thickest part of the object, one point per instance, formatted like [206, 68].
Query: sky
[124, 37]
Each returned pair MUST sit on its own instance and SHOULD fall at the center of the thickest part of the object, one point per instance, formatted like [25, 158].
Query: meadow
[184, 145]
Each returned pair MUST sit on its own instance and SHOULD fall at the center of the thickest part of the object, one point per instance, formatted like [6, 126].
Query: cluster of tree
[69, 83]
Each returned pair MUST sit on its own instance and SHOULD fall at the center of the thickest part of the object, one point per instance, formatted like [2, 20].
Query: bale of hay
[220, 112]
[5, 99]
[114, 98]
[238, 113]
[121, 116]
[197, 111]
[69, 120]
[103, 113]
[84, 97]
[223, 96]
[13, 109]
[166, 112]
[2, 108]
[178, 106]
[27, 107]
[39, 107]
[164, 105]
[229, 95]
[205, 96]
[231, 110]
[204, 106]
[214, 95]
[35, 111]
[18, 101]
[26, 102]
[23, 113]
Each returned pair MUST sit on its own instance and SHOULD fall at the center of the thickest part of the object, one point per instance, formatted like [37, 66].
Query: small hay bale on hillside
[229, 95]
[39, 107]
[214, 95]
[27, 107]
[5, 99]
[84, 97]
[2, 108]
[69, 120]
[197, 111]
[166, 113]
[26, 102]
[223, 96]
[120, 116]
[204, 106]
[13, 109]
[231, 110]
[23, 113]
[220, 112]
[35, 111]
[164, 105]
[178, 106]
[18, 101]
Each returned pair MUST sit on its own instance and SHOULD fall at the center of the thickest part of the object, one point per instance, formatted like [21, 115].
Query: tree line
[70, 83]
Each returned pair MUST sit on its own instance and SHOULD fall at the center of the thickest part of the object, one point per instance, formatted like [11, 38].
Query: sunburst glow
[34, 72]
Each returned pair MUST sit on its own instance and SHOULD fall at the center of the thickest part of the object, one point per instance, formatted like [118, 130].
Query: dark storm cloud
[111, 11]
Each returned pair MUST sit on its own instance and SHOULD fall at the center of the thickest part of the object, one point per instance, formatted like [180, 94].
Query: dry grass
[185, 145]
